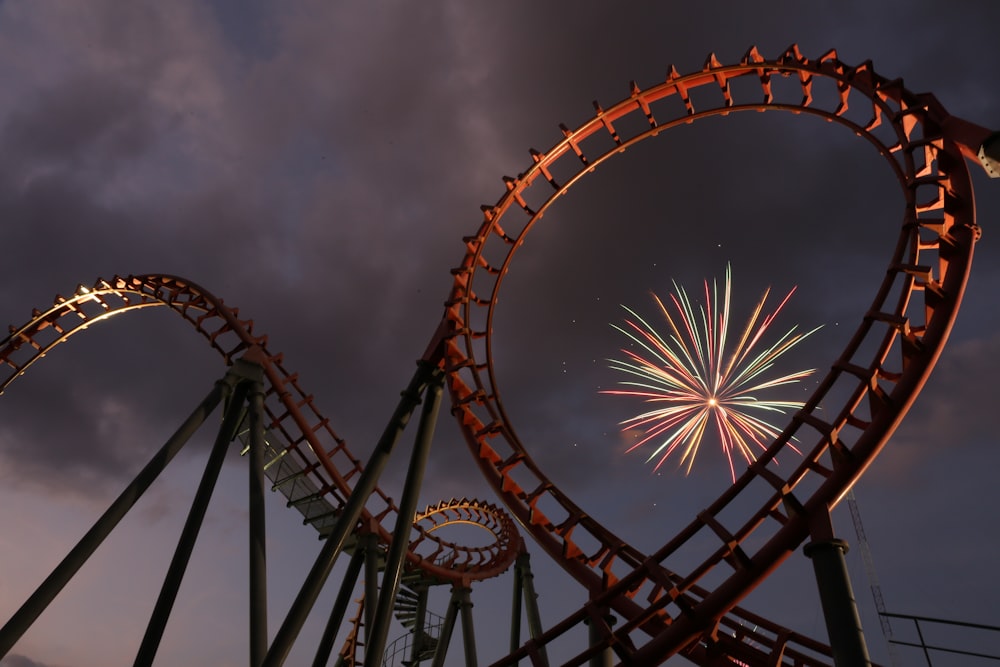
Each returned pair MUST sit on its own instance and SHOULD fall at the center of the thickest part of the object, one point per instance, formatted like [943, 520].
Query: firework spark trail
[693, 383]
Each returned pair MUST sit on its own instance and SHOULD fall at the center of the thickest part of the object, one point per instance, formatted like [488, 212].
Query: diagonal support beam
[377, 634]
[79, 554]
[522, 569]
[258, 533]
[325, 647]
[192, 526]
[334, 543]
[444, 638]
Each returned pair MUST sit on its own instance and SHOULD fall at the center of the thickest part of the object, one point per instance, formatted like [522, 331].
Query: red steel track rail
[306, 460]
[738, 539]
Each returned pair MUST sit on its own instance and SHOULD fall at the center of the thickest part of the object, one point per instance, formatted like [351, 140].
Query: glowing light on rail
[692, 380]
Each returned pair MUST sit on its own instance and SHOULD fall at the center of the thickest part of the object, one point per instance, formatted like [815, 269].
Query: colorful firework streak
[692, 380]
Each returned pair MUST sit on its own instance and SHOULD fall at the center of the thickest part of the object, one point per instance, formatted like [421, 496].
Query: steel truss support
[347, 523]
[29, 612]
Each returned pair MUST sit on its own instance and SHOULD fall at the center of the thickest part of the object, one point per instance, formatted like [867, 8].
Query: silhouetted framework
[639, 609]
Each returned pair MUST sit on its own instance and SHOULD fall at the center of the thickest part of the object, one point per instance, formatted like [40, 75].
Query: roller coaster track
[424, 626]
[304, 459]
[881, 371]
[309, 463]
[753, 526]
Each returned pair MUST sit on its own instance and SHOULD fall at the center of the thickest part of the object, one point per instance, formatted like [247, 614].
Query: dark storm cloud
[60, 147]
[313, 200]
[89, 119]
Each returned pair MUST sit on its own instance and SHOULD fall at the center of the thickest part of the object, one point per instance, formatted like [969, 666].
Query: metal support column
[192, 526]
[444, 639]
[369, 544]
[596, 634]
[420, 637]
[524, 593]
[468, 631]
[325, 647]
[258, 534]
[71, 563]
[515, 607]
[347, 522]
[377, 634]
[530, 599]
[840, 609]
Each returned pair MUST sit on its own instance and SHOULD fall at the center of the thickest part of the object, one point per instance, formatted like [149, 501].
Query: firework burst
[694, 382]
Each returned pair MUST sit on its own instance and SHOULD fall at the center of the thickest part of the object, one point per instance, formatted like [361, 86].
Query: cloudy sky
[317, 164]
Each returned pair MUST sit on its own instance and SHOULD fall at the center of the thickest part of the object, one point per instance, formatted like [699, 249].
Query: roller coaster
[641, 609]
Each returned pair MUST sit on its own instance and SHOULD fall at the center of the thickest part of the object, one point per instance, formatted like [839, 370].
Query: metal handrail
[401, 646]
[927, 648]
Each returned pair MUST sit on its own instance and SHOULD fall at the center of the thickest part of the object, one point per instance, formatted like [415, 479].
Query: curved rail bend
[306, 460]
[692, 611]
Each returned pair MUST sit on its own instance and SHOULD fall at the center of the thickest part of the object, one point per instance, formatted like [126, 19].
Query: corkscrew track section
[306, 460]
[766, 514]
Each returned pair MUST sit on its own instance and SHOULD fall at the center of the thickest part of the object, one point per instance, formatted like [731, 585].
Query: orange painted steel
[306, 459]
[457, 511]
[693, 611]
[470, 512]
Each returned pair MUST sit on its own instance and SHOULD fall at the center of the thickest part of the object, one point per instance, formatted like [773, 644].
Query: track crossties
[880, 372]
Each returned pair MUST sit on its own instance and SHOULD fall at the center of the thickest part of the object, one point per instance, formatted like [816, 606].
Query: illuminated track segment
[469, 512]
[880, 372]
[306, 460]
[457, 511]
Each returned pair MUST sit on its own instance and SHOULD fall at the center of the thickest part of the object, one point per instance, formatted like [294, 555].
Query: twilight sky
[317, 164]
